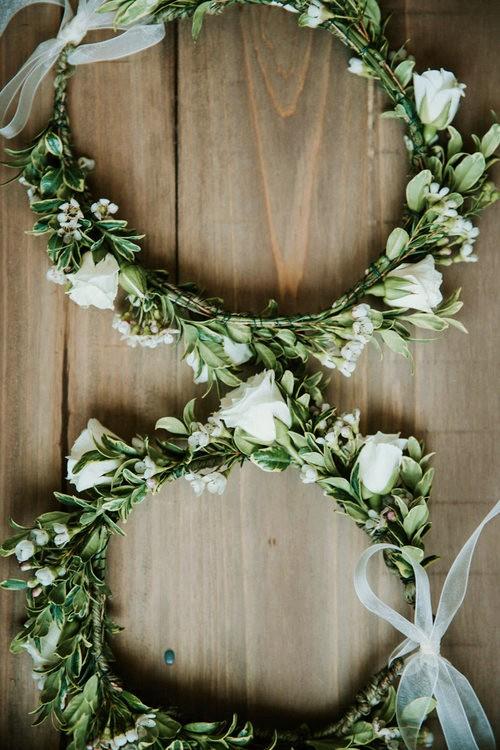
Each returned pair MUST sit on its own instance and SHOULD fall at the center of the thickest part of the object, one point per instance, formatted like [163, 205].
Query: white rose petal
[237, 353]
[95, 284]
[93, 473]
[201, 373]
[253, 407]
[414, 285]
[379, 461]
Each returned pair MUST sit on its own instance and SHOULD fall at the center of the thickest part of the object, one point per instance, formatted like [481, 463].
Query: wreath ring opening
[381, 482]
[94, 251]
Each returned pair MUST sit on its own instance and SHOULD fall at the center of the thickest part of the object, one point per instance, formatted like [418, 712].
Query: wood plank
[32, 331]
[288, 183]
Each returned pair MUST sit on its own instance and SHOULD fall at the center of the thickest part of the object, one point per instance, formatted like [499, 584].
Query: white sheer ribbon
[427, 674]
[73, 29]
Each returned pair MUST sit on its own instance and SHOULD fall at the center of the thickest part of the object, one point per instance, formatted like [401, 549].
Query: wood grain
[258, 168]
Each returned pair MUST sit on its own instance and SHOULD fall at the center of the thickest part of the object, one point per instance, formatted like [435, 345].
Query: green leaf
[172, 425]
[198, 17]
[14, 584]
[404, 71]
[416, 190]
[396, 243]
[490, 140]
[53, 144]
[410, 471]
[48, 205]
[265, 355]
[288, 382]
[51, 181]
[416, 518]
[274, 458]
[455, 143]
[74, 178]
[468, 172]
[395, 342]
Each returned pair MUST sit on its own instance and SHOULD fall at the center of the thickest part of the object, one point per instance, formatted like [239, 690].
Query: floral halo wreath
[94, 252]
[382, 482]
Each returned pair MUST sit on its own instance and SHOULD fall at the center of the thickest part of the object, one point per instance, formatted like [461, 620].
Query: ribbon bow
[72, 31]
[427, 675]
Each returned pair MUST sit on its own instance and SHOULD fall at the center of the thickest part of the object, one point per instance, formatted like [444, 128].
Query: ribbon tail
[9, 8]
[133, 40]
[463, 720]
[27, 80]
[414, 699]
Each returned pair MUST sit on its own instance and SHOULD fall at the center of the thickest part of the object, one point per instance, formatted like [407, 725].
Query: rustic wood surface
[258, 167]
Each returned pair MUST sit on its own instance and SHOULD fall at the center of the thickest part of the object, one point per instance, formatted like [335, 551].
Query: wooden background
[258, 167]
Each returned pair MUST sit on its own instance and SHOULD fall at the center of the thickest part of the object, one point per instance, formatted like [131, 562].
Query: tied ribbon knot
[428, 678]
[74, 28]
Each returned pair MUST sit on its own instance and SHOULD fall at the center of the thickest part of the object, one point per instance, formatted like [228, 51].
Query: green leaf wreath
[382, 482]
[93, 251]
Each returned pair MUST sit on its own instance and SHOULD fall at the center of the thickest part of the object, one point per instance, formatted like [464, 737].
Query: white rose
[24, 550]
[237, 353]
[253, 407]
[437, 96]
[379, 461]
[95, 284]
[93, 473]
[200, 372]
[414, 285]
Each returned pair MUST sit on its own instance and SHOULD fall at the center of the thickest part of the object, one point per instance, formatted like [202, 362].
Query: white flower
[200, 371]
[346, 368]
[86, 164]
[379, 461]
[360, 311]
[315, 15]
[352, 350]
[414, 285]
[436, 192]
[215, 482]
[237, 353]
[24, 550]
[94, 472]
[120, 740]
[437, 96]
[44, 655]
[150, 468]
[358, 67]
[56, 276]
[149, 341]
[198, 439]
[308, 474]
[196, 482]
[363, 328]
[39, 536]
[46, 576]
[103, 208]
[62, 534]
[95, 283]
[254, 405]
[131, 735]
[69, 214]
[146, 720]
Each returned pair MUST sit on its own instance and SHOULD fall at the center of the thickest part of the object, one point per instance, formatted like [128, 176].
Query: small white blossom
[69, 214]
[56, 276]
[198, 439]
[40, 537]
[352, 350]
[215, 482]
[150, 468]
[86, 164]
[436, 192]
[196, 482]
[46, 576]
[315, 15]
[347, 368]
[308, 474]
[358, 68]
[62, 534]
[360, 311]
[363, 328]
[146, 720]
[24, 550]
[103, 208]
[149, 341]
